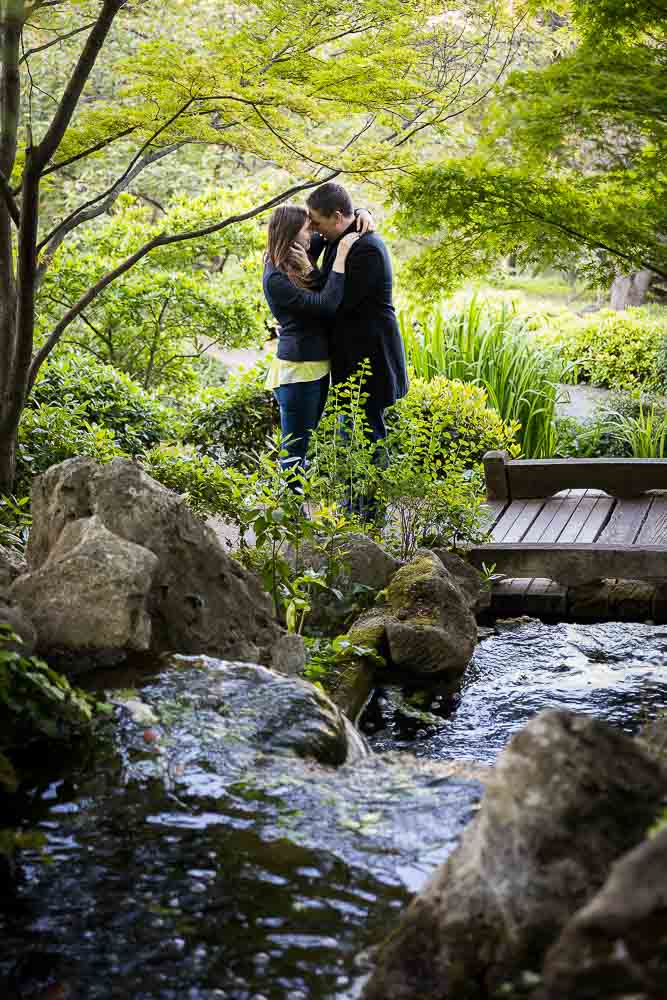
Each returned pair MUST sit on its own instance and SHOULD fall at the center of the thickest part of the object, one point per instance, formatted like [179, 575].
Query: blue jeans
[301, 407]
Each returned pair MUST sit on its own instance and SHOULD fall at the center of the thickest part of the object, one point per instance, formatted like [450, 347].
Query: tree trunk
[631, 289]
[7, 460]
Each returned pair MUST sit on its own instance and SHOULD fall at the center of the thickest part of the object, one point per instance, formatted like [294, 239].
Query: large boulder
[616, 946]
[427, 626]
[201, 600]
[217, 710]
[469, 579]
[18, 621]
[11, 566]
[568, 796]
[91, 591]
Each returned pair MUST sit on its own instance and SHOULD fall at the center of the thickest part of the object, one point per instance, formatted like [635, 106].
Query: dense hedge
[618, 350]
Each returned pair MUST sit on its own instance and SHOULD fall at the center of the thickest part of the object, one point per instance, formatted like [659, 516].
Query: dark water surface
[195, 870]
[614, 671]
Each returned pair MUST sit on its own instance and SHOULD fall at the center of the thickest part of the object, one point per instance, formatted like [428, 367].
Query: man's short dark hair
[330, 198]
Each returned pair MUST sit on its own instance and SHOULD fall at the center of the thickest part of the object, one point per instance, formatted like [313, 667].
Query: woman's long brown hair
[284, 226]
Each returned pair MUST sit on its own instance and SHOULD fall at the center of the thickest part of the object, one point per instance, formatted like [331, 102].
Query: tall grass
[644, 435]
[488, 344]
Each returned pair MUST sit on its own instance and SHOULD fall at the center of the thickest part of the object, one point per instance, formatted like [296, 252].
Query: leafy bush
[488, 344]
[36, 702]
[424, 479]
[619, 350]
[102, 395]
[15, 522]
[453, 422]
[206, 486]
[51, 434]
[233, 422]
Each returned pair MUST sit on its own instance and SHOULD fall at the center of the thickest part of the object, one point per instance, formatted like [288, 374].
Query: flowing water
[614, 671]
[197, 868]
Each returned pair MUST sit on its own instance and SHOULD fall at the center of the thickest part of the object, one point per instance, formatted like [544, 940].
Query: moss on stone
[369, 630]
[400, 590]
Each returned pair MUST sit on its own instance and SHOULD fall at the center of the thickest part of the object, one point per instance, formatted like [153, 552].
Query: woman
[299, 375]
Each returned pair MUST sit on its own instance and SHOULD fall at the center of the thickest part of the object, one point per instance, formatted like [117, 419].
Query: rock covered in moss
[426, 627]
[568, 796]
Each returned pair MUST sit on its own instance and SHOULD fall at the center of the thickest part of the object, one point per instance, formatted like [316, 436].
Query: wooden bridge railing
[527, 479]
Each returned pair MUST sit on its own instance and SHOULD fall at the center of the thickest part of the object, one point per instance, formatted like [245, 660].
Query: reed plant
[643, 435]
[489, 345]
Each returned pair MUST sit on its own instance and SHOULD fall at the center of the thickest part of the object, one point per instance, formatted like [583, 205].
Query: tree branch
[76, 83]
[85, 214]
[54, 41]
[157, 241]
[102, 144]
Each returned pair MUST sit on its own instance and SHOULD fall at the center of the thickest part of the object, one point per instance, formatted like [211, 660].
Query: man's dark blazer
[365, 324]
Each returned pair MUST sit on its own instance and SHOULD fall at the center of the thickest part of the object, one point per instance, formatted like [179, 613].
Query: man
[365, 324]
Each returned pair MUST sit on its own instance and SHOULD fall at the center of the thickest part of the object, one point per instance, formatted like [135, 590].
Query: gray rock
[616, 946]
[288, 654]
[568, 796]
[91, 591]
[59, 495]
[20, 624]
[11, 566]
[201, 601]
[652, 737]
[362, 561]
[469, 579]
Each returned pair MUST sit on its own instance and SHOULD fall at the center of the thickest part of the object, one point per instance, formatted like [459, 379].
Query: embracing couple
[328, 282]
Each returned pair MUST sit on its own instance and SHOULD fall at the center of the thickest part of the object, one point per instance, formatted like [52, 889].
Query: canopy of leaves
[570, 169]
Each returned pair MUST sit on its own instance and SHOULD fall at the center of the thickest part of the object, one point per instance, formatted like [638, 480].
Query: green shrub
[454, 421]
[425, 478]
[50, 434]
[234, 421]
[207, 487]
[619, 350]
[102, 395]
[36, 702]
[487, 343]
[627, 425]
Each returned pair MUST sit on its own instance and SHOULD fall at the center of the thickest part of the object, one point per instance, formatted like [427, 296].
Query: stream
[198, 867]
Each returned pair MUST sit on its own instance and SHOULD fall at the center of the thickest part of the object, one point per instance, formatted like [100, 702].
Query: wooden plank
[576, 523]
[491, 512]
[596, 520]
[524, 521]
[552, 518]
[625, 522]
[507, 520]
[529, 479]
[654, 528]
[496, 476]
[574, 564]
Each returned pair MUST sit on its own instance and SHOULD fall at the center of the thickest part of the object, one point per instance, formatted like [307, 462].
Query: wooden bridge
[559, 527]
